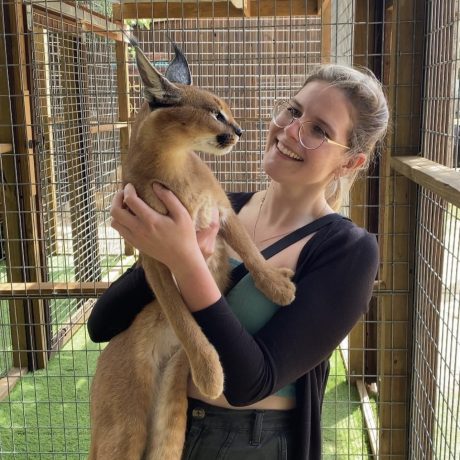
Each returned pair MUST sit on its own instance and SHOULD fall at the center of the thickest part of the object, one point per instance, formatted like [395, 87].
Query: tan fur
[138, 396]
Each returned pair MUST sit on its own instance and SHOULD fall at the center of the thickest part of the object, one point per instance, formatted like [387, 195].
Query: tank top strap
[240, 270]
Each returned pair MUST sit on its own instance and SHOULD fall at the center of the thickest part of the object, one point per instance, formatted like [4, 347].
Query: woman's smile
[285, 152]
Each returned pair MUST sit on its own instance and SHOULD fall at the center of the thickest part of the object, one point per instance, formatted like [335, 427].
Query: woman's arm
[117, 308]
[333, 291]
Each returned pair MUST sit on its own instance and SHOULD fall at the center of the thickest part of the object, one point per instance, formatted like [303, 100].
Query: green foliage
[140, 23]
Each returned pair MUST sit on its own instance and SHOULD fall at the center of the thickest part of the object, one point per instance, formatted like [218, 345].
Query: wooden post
[363, 48]
[402, 72]
[25, 253]
[326, 32]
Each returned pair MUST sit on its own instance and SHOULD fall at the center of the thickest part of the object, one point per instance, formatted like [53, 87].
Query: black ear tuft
[158, 89]
[178, 70]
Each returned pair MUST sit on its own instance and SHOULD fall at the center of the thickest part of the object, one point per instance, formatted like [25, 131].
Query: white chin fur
[212, 148]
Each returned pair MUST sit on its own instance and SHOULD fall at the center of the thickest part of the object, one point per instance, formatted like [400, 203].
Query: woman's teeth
[288, 153]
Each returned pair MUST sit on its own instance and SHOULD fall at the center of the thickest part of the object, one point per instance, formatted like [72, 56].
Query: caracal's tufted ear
[158, 90]
[178, 70]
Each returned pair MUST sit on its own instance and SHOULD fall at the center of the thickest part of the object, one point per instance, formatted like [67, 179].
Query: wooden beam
[6, 148]
[326, 31]
[9, 382]
[29, 328]
[52, 289]
[358, 196]
[402, 76]
[107, 127]
[216, 9]
[443, 181]
[369, 418]
[89, 20]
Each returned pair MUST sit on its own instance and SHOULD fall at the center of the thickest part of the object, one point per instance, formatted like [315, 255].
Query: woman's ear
[355, 162]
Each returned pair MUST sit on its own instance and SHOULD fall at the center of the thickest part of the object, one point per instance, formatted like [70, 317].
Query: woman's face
[328, 108]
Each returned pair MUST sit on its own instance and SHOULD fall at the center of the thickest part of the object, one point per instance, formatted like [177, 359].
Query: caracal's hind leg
[204, 361]
[170, 414]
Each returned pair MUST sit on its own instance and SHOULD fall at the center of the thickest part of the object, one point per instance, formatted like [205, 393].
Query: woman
[275, 360]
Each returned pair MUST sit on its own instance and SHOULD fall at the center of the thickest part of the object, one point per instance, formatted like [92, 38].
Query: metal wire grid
[234, 58]
[435, 409]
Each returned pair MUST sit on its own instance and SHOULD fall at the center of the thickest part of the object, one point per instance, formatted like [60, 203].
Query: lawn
[47, 414]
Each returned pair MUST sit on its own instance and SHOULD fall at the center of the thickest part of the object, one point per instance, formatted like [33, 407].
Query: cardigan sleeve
[334, 285]
[117, 307]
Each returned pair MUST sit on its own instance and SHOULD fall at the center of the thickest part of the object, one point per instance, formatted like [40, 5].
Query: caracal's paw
[276, 284]
[207, 372]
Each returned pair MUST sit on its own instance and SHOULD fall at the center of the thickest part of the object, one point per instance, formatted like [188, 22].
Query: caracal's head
[187, 117]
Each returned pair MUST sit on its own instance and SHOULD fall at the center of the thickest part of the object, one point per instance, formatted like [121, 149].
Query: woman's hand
[170, 238]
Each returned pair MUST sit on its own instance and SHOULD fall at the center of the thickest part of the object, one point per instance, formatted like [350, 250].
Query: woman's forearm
[196, 284]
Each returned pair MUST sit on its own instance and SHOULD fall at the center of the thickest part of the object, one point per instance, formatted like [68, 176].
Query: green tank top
[253, 310]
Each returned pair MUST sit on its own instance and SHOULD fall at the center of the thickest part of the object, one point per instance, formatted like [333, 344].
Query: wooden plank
[369, 418]
[439, 179]
[402, 73]
[89, 21]
[9, 207]
[52, 289]
[215, 9]
[359, 192]
[107, 127]
[32, 332]
[9, 382]
[6, 148]
[326, 32]
[78, 319]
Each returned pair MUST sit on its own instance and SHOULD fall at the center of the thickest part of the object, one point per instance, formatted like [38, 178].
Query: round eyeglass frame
[281, 102]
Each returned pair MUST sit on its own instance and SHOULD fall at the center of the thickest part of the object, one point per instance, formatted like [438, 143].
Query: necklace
[262, 201]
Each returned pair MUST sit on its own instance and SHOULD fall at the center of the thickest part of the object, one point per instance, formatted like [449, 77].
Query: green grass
[344, 433]
[60, 270]
[47, 414]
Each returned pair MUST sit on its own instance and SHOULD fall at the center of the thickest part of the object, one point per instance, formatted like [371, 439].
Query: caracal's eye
[219, 116]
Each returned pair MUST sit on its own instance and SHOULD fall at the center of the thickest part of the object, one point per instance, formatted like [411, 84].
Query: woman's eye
[319, 131]
[294, 112]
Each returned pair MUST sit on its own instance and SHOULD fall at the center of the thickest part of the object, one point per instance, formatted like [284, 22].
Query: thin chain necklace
[262, 201]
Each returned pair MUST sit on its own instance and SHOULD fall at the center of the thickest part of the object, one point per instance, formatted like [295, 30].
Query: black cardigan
[334, 277]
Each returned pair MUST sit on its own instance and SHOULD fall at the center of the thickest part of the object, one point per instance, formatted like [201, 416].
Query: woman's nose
[292, 130]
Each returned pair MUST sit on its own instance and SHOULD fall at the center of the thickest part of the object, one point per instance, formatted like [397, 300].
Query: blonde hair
[370, 117]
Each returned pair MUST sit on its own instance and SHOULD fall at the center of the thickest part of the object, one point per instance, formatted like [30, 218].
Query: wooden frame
[439, 179]
[207, 9]
[89, 21]
[403, 77]
[28, 317]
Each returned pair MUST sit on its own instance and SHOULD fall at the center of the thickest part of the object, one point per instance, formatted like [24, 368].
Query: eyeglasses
[311, 135]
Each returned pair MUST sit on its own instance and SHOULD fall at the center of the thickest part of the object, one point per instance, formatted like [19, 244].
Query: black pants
[214, 433]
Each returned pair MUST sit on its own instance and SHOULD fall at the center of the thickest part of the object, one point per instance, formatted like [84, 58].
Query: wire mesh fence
[68, 92]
